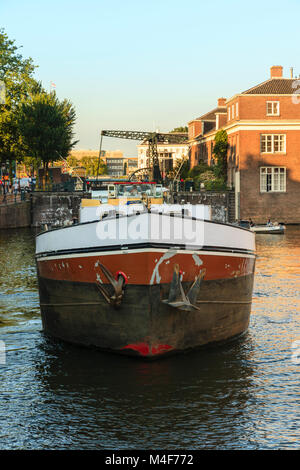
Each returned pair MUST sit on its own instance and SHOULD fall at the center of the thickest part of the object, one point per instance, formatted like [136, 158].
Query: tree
[180, 169]
[91, 166]
[72, 161]
[31, 165]
[16, 73]
[46, 126]
[210, 181]
[197, 170]
[220, 154]
[213, 178]
[180, 129]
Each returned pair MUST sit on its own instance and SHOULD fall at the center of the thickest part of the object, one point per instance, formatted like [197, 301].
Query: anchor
[177, 297]
[118, 283]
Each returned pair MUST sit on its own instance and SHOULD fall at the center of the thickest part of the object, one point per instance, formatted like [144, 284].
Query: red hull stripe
[145, 350]
[146, 268]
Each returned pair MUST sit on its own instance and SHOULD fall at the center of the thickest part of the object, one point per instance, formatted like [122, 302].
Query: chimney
[276, 71]
[221, 102]
[292, 72]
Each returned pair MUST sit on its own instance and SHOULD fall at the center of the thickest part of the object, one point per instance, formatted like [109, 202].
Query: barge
[139, 277]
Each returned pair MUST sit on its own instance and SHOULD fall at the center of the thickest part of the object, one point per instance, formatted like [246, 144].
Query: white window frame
[272, 179]
[272, 112]
[272, 143]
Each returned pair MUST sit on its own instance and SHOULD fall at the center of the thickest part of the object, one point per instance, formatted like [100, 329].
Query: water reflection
[244, 395]
[18, 283]
[180, 401]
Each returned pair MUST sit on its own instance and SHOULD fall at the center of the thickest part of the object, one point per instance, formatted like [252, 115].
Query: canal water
[244, 395]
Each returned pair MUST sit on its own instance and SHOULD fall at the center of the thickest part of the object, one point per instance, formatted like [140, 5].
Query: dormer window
[272, 108]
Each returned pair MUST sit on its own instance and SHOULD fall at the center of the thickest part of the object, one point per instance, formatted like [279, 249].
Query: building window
[272, 108]
[228, 114]
[232, 111]
[272, 179]
[236, 109]
[272, 143]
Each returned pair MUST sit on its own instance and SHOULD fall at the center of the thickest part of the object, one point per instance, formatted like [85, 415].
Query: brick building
[263, 127]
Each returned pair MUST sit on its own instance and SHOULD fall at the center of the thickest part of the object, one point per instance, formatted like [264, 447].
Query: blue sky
[143, 65]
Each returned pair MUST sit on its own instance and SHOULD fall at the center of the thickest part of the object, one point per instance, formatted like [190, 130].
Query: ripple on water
[244, 395]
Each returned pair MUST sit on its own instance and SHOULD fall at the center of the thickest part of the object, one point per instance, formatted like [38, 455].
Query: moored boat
[278, 229]
[145, 280]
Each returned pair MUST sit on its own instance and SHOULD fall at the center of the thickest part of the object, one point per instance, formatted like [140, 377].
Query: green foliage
[220, 154]
[197, 170]
[180, 129]
[91, 166]
[181, 169]
[15, 72]
[46, 125]
[72, 161]
[31, 165]
[209, 181]
[89, 163]
[207, 177]
[17, 75]
[216, 184]
[34, 126]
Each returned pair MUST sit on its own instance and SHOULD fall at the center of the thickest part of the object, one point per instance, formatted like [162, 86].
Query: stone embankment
[222, 203]
[14, 212]
[57, 209]
[40, 209]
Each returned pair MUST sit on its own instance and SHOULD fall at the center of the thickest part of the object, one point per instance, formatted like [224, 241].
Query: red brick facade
[263, 127]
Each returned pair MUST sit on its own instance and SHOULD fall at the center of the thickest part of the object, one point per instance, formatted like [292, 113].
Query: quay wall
[55, 209]
[15, 215]
[58, 209]
[221, 202]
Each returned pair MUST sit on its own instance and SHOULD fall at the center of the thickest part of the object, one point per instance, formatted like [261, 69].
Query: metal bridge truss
[153, 139]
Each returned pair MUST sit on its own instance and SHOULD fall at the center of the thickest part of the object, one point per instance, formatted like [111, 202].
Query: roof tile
[211, 115]
[274, 86]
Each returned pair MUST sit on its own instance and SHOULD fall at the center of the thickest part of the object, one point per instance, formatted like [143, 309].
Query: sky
[150, 65]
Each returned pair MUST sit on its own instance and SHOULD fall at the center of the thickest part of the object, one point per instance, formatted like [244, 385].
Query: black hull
[143, 325]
